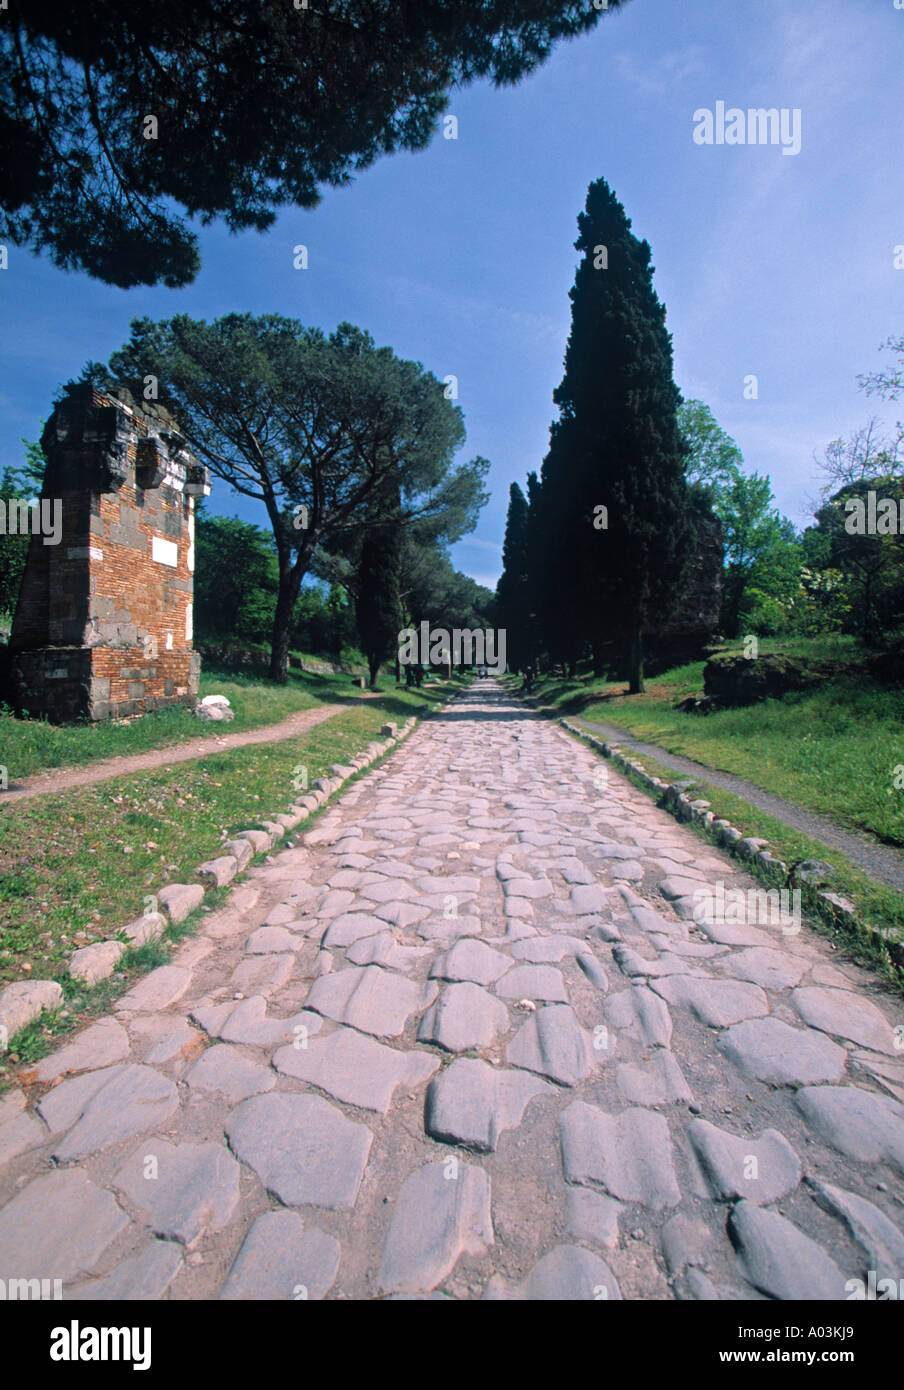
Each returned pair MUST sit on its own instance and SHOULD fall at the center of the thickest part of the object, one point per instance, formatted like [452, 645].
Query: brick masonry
[103, 626]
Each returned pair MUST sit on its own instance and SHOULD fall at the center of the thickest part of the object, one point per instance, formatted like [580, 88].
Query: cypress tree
[614, 480]
[511, 591]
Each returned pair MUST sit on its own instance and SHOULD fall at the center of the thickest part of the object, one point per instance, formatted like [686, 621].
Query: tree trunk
[373, 663]
[635, 669]
[286, 598]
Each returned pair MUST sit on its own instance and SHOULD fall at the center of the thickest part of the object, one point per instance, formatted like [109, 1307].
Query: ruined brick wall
[103, 626]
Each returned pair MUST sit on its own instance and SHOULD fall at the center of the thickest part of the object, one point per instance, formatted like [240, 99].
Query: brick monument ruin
[103, 626]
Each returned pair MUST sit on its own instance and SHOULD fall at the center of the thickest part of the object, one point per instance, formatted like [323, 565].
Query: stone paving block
[470, 1103]
[271, 940]
[303, 1149]
[22, 1002]
[471, 960]
[103, 1108]
[553, 1043]
[591, 1216]
[779, 1259]
[95, 963]
[628, 1153]
[464, 1016]
[371, 999]
[143, 1277]
[842, 1013]
[763, 1170]
[542, 983]
[280, 1259]
[775, 1052]
[218, 872]
[657, 1082]
[20, 1130]
[880, 1239]
[441, 1213]
[179, 900]
[349, 927]
[97, 1046]
[717, 1003]
[858, 1123]
[567, 1273]
[355, 1069]
[383, 949]
[766, 967]
[58, 1227]
[224, 1071]
[181, 1191]
[642, 1015]
[164, 1038]
[545, 950]
[263, 974]
[157, 991]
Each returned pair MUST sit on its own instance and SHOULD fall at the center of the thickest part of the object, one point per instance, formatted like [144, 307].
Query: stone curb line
[838, 911]
[24, 1001]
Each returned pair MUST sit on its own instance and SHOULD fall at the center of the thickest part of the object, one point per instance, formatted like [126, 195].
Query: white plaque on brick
[164, 552]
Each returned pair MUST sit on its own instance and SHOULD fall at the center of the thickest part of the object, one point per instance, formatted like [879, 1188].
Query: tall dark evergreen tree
[378, 607]
[511, 592]
[617, 445]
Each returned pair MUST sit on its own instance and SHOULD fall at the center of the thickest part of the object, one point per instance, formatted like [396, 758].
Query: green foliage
[873, 563]
[255, 107]
[311, 426]
[512, 592]
[616, 444]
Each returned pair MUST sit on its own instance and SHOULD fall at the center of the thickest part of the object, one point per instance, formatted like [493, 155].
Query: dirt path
[880, 861]
[61, 779]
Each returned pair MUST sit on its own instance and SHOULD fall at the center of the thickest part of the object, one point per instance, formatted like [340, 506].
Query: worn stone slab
[781, 1055]
[880, 1239]
[303, 1149]
[218, 872]
[58, 1227]
[763, 1170]
[657, 1082]
[224, 1071]
[97, 962]
[349, 927]
[685, 1241]
[103, 1108]
[717, 1003]
[280, 1259]
[638, 967]
[780, 1260]
[588, 898]
[383, 949]
[568, 1273]
[242, 852]
[640, 1014]
[355, 1069]
[471, 960]
[552, 1043]
[371, 999]
[628, 1153]
[164, 1038]
[248, 1023]
[145, 929]
[100, 1045]
[20, 1130]
[181, 1191]
[766, 967]
[271, 940]
[464, 1016]
[470, 1103]
[858, 1123]
[846, 1015]
[440, 1214]
[263, 974]
[592, 1216]
[179, 900]
[157, 991]
[547, 950]
[594, 971]
[22, 1002]
[143, 1277]
[542, 983]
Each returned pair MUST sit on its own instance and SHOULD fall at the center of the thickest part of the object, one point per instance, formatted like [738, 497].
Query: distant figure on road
[528, 678]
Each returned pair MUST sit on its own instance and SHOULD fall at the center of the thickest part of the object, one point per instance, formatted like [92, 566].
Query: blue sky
[461, 256]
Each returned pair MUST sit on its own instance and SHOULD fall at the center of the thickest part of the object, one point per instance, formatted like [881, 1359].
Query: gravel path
[63, 778]
[468, 1041]
[879, 861]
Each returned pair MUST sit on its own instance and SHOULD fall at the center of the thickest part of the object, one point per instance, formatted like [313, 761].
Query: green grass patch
[76, 866]
[833, 751]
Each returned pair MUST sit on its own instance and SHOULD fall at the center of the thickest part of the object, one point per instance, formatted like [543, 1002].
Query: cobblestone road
[468, 1040]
